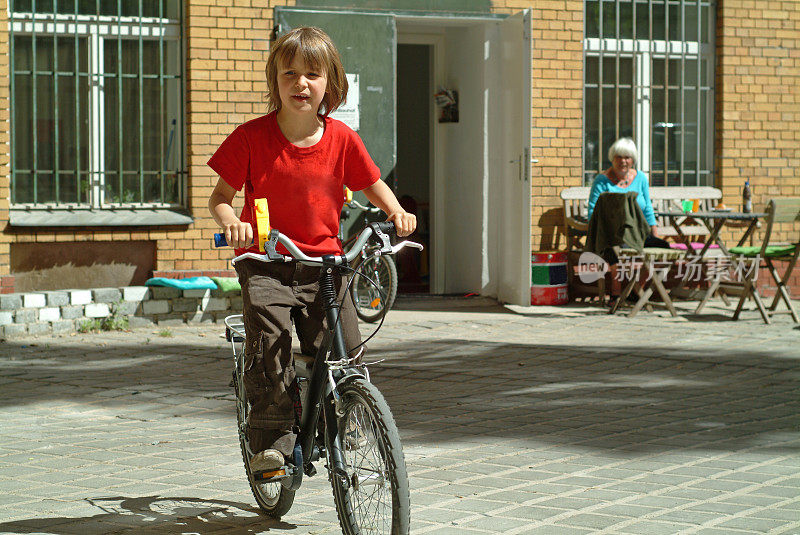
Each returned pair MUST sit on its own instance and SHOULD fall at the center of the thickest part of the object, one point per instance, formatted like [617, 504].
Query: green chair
[779, 210]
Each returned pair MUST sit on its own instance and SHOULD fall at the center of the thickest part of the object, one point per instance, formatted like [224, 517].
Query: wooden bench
[663, 198]
[576, 200]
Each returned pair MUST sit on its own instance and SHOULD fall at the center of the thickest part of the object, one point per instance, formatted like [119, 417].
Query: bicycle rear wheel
[273, 498]
[370, 304]
[372, 495]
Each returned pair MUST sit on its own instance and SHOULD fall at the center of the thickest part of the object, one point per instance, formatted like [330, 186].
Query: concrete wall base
[65, 311]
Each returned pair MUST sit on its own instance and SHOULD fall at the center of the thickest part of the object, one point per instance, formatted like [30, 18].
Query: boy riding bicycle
[299, 159]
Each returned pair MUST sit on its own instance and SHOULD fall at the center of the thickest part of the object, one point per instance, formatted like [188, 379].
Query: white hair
[624, 146]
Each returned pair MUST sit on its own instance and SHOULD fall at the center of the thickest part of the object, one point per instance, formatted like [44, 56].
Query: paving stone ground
[553, 420]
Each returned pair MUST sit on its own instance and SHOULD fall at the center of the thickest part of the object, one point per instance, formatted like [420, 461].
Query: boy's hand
[404, 222]
[239, 234]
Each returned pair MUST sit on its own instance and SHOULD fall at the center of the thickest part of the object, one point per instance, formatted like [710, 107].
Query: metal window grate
[649, 75]
[97, 100]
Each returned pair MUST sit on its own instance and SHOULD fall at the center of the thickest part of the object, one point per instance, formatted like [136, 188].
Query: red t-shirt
[303, 185]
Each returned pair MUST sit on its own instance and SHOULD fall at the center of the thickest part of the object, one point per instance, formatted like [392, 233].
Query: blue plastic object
[219, 240]
[190, 283]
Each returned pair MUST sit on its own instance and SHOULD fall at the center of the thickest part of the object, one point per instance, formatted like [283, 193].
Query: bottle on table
[747, 195]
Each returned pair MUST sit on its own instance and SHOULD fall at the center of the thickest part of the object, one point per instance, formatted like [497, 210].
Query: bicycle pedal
[270, 476]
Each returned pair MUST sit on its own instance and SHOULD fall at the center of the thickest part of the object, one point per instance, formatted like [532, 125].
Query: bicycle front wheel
[371, 302]
[371, 493]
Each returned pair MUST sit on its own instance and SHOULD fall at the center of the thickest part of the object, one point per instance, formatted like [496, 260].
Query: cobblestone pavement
[514, 420]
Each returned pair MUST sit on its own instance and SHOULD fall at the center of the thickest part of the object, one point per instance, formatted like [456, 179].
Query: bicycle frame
[323, 380]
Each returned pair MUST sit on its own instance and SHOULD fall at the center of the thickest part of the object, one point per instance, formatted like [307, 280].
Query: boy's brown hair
[318, 52]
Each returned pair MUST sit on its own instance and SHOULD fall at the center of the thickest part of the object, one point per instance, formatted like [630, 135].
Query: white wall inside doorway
[466, 166]
[457, 156]
[470, 161]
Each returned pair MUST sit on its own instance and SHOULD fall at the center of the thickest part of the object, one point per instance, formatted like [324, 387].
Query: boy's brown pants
[275, 294]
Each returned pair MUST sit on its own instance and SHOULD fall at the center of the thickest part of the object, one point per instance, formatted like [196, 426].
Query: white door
[509, 119]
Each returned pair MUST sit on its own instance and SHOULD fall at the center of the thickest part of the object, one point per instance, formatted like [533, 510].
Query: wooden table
[714, 220]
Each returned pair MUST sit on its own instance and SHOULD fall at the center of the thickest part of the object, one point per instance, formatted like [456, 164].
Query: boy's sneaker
[266, 461]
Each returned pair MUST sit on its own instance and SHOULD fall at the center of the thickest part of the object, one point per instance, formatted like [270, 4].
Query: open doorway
[476, 220]
[413, 169]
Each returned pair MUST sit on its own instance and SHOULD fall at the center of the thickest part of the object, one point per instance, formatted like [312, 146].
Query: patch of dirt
[113, 275]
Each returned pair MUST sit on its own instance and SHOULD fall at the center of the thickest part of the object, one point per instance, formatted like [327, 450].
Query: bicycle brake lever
[383, 238]
[269, 247]
[406, 243]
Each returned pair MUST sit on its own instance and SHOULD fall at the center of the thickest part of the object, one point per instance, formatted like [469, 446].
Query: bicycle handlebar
[219, 240]
[380, 230]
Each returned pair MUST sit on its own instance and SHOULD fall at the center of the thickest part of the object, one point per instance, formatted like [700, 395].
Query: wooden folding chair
[576, 227]
[779, 210]
[657, 264]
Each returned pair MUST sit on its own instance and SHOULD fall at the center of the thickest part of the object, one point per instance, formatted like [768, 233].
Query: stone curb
[65, 311]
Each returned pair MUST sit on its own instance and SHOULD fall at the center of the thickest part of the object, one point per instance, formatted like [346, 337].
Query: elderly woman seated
[623, 178]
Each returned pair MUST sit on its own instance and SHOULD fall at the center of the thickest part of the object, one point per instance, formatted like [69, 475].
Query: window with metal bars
[649, 75]
[97, 103]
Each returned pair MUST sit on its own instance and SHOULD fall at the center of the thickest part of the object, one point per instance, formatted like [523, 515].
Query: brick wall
[226, 48]
[557, 101]
[758, 100]
[227, 45]
[225, 56]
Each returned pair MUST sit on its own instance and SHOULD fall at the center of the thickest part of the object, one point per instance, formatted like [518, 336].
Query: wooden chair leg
[623, 296]
[644, 297]
[644, 292]
[658, 278]
[745, 294]
[760, 305]
[724, 297]
[711, 290]
[783, 292]
[640, 293]
[601, 290]
[792, 311]
[750, 290]
[778, 285]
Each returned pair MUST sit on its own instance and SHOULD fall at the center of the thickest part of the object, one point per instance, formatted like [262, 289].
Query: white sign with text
[348, 112]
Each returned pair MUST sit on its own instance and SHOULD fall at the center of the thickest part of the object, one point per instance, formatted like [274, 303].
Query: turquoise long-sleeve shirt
[603, 184]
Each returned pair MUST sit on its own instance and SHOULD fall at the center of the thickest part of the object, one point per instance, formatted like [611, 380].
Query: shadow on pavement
[656, 398]
[448, 303]
[638, 399]
[587, 308]
[155, 514]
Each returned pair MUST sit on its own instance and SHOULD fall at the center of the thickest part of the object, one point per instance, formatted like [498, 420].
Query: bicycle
[344, 417]
[372, 301]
